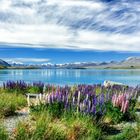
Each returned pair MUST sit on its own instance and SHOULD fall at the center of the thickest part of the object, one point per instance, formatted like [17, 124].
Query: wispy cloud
[79, 24]
[26, 60]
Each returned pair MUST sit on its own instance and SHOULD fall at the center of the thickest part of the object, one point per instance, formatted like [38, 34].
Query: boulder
[112, 83]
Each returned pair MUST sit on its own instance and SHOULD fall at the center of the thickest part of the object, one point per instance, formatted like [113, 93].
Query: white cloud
[73, 24]
[25, 60]
[4, 5]
[94, 5]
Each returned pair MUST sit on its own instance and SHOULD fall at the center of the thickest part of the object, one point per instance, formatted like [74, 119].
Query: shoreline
[97, 68]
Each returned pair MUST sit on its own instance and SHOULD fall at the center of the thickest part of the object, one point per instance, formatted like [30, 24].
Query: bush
[116, 116]
[36, 87]
[55, 109]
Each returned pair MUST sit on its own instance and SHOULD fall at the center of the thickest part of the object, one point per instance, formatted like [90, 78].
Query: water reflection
[67, 76]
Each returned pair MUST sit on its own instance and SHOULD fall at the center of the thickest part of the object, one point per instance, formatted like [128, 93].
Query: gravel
[11, 122]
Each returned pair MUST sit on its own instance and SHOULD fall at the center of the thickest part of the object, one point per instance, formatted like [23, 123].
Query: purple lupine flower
[66, 102]
[56, 95]
[94, 100]
[102, 99]
[93, 109]
[85, 103]
[59, 97]
[87, 97]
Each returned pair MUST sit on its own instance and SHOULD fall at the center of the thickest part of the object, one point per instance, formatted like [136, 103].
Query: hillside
[129, 63]
[3, 64]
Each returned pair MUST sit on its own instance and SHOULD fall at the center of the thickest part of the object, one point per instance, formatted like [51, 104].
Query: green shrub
[34, 89]
[55, 109]
[116, 116]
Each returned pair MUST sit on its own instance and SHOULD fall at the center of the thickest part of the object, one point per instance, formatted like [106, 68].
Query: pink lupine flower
[114, 100]
[122, 106]
[126, 105]
[121, 101]
[117, 101]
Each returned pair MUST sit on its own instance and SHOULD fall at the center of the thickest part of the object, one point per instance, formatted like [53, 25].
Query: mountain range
[131, 62]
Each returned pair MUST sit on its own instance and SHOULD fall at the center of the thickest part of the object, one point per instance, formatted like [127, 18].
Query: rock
[112, 83]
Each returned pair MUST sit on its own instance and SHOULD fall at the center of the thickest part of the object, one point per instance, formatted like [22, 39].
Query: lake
[72, 76]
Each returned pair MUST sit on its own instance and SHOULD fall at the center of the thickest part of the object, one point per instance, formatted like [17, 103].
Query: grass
[3, 133]
[68, 126]
[72, 126]
[44, 125]
[9, 103]
[83, 127]
[128, 133]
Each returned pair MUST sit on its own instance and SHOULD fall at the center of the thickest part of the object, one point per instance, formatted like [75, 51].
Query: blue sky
[60, 31]
[39, 56]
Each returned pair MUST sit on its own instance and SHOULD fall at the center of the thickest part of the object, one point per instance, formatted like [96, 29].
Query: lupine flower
[121, 101]
[93, 110]
[89, 107]
[48, 99]
[94, 100]
[81, 107]
[84, 98]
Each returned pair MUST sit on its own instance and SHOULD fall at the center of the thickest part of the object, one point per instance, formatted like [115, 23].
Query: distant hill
[3, 64]
[129, 63]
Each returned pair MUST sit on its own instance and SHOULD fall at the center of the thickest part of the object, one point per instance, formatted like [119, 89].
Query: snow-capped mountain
[131, 62]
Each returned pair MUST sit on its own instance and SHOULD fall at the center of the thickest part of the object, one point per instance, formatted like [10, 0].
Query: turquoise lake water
[72, 76]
